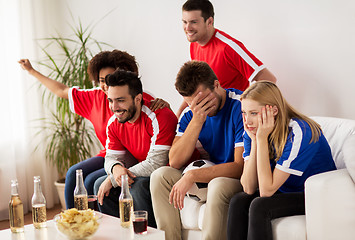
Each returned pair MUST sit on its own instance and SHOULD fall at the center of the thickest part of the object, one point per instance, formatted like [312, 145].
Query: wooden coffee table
[110, 228]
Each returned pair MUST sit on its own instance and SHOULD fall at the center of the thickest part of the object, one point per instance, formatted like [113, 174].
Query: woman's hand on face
[246, 129]
[266, 122]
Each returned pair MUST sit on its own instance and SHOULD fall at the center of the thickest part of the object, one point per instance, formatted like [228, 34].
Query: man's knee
[90, 180]
[216, 183]
[163, 175]
[223, 188]
[71, 173]
[159, 173]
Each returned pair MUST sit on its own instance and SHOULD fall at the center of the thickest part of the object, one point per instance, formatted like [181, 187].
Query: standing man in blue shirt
[213, 117]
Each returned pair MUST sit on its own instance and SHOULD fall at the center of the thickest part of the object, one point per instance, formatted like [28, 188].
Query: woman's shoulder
[300, 128]
[298, 123]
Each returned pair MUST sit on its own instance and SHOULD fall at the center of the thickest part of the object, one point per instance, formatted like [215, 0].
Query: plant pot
[60, 189]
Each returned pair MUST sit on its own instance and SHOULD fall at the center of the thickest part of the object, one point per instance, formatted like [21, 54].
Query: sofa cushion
[201, 214]
[189, 234]
[191, 215]
[330, 206]
[349, 155]
[336, 130]
[290, 228]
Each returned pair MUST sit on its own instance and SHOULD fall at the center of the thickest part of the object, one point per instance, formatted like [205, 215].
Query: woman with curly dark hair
[93, 105]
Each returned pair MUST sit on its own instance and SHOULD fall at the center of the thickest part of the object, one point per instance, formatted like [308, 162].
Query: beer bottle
[16, 209]
[125, 203]
[80, 193]
[39, 215]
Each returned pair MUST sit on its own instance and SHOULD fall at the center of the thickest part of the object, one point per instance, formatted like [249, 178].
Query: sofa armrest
[330, 206]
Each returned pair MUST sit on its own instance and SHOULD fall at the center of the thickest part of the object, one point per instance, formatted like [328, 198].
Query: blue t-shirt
[300, 158]
[220, 134]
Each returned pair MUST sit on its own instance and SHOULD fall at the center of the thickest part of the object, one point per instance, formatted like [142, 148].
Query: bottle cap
[14, 182]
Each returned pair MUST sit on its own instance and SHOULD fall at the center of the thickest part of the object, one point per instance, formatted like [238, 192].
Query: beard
[131, 111]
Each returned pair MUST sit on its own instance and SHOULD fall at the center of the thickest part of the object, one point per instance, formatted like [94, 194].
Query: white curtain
[21, 108]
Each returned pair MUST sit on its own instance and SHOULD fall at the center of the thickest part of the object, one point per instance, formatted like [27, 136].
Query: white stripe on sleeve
[296, 144]
[155, 125]
[110, 121]
[241, 53]
[71, 100]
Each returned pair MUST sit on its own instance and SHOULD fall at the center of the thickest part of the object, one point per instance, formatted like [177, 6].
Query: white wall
[308, 44]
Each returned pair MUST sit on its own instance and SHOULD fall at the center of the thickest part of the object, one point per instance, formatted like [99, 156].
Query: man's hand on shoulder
[118, 171]
[158, 103]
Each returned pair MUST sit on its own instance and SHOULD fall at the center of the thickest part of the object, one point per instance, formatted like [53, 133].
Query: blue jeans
[140, 192]
[93, 168]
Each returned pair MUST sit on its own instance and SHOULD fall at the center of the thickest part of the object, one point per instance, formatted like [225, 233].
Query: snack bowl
[77, 224]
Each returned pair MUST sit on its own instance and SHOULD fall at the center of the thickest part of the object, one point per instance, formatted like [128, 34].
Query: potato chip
[77, 224]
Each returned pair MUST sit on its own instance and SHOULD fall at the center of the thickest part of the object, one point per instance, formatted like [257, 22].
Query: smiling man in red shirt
[133, 131]
[229, 59]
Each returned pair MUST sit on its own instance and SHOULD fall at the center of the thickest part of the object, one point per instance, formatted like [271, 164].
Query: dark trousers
[140, 192]
[249, 216]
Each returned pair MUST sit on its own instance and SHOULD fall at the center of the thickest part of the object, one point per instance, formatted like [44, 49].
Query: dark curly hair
[115, 59]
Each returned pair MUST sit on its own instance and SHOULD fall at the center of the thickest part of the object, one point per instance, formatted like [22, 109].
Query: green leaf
[68, 137]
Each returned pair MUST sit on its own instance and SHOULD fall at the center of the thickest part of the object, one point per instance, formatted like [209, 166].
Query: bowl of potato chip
[77, 224]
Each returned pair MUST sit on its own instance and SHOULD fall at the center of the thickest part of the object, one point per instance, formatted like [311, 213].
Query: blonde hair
[267, 93]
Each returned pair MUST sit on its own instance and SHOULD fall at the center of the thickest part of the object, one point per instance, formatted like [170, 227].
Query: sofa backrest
[336, 130]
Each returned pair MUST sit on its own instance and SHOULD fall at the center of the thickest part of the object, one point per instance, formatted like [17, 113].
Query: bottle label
[126, 209]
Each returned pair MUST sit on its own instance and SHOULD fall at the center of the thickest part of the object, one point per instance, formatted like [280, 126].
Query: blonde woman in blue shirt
[282, 148]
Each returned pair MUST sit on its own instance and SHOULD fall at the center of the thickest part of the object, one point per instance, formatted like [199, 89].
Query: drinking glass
[140, 222]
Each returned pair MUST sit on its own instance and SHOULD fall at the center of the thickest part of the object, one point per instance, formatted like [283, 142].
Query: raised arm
[183, 146]
[55, 87]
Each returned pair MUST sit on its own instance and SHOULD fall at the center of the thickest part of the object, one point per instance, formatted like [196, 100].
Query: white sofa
[329, 197]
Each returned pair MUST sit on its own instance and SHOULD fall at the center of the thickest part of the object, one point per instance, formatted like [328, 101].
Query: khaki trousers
[214, 226]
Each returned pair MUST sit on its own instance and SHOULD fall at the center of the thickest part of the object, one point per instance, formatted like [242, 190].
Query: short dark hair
[205, 6]
[121, 78]
[191, 75]
[115, 59]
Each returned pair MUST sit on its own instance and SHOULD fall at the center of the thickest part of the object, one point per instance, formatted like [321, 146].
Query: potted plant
[69, 137]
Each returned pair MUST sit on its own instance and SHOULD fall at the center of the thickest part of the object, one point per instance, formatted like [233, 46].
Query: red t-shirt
[152, 130]
[234, 66]
[93, 105]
